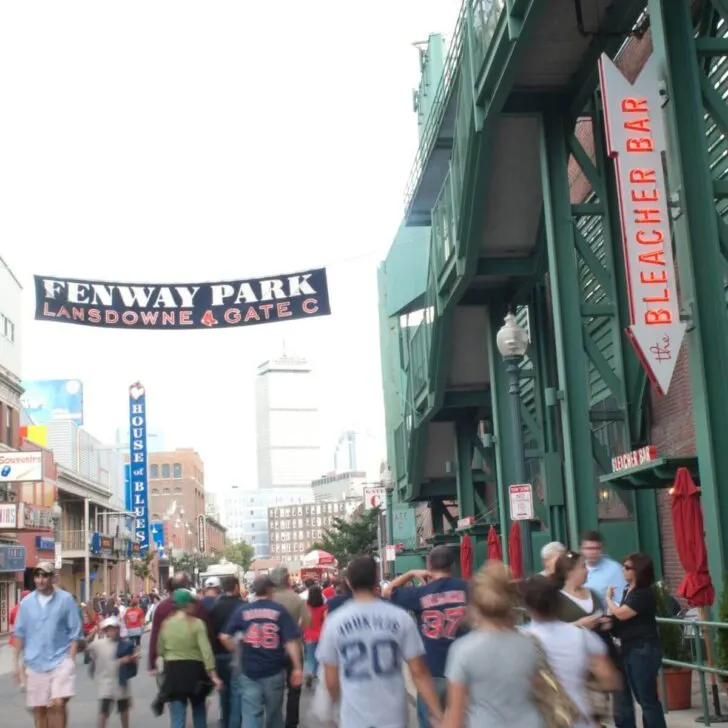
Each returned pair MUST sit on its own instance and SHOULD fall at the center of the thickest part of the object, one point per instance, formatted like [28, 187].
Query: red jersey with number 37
[265, 627]
[440, 608]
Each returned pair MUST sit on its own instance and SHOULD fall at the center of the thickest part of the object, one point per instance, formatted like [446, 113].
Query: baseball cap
[46, 567]
[183, 597]
[212, 582]
[110, 622]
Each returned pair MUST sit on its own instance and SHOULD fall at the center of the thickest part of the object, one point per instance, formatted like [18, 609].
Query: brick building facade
[177, 494]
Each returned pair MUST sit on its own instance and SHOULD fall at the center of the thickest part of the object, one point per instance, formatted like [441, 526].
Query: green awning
[657, 474]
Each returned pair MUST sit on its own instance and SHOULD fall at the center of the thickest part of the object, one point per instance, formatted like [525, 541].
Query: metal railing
[419, 358]
[439, 105]
[696, 633]
[483, 17]
[74, 540]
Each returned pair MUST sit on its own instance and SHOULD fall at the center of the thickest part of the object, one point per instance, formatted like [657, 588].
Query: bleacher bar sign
[628, 460]
[183, 306]
[138, 460]
[635, 133]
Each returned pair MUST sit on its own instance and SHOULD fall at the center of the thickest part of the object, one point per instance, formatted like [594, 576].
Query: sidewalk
[676, 719]
[6, 656]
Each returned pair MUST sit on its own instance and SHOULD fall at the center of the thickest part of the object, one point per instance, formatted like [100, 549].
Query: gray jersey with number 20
[370, 642]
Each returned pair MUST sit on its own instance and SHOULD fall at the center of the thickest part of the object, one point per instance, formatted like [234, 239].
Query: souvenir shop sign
[183, 305]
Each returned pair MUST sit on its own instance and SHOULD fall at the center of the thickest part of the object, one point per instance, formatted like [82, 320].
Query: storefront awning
[656, 474]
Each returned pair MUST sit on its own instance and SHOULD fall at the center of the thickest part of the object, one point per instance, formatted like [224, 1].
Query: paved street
[83, 708]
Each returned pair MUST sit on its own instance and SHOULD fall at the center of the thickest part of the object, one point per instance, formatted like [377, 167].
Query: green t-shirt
[185, 638]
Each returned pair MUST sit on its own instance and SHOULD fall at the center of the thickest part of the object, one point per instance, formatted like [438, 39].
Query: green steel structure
[512, 205]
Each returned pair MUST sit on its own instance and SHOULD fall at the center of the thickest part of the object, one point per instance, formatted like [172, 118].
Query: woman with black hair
[312, 634]
[635, 624]
[573, 653]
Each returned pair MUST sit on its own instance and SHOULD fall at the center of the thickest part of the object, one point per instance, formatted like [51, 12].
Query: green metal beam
[569, 335]
[511, 267]
[697, 244]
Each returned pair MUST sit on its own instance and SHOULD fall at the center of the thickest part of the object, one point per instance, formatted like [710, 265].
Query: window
[7, 328]
[177, 469]
[8, 425]
[154, 471]
[155, 491]
[177, 489]
[165, 470]
[165, 491]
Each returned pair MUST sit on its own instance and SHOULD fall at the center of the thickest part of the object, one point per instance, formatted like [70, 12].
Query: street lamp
[56, 513]
[512, 343]
[127, 559]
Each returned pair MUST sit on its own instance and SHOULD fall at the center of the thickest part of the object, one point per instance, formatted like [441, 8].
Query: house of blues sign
[139, 489]
[183, 306]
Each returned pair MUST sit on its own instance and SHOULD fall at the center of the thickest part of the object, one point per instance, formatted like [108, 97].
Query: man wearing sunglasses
[48, 631]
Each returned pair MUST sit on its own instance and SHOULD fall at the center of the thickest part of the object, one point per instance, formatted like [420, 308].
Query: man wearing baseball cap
[213, 589]
[47, 631]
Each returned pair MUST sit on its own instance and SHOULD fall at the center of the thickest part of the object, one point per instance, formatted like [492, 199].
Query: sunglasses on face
[628, 567]
[42, 573]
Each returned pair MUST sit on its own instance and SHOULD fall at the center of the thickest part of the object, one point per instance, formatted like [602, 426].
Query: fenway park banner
[182, 306]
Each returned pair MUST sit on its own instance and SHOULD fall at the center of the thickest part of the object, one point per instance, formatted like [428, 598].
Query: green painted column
[542, 355]
[700, 265]
[504, 447]
[571, 362]
[464, 433]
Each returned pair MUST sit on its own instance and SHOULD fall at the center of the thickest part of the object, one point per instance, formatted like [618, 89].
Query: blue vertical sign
[129, 496]
[138, 462]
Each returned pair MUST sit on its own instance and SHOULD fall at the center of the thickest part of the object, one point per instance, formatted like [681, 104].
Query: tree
[345, 540]
[142, 567]
[187, 562]
[240, 553]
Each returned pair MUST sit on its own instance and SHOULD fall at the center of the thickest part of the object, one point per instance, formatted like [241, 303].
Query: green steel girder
[587, 329]
[692, 169]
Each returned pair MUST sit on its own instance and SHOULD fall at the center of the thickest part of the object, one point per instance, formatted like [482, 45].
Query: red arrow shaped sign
[635, 140]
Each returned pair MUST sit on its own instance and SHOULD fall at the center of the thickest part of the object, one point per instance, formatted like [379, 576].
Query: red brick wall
[672, 428]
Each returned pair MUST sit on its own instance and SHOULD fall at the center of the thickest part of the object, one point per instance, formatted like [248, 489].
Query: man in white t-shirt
[363, 648]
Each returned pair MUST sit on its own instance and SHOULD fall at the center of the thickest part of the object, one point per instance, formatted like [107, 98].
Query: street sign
[520, 497]
[375, 497]
[635, 135]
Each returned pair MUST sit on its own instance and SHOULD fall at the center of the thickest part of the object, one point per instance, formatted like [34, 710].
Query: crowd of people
[562, 647]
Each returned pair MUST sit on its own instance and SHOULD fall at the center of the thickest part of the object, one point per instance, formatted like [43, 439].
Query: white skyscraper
[287, 423]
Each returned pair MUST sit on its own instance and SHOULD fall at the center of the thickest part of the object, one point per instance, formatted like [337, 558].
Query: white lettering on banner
[636, 140]
[176, 297]
[138, 458]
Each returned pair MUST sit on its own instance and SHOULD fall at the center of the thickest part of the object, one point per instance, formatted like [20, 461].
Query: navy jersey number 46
[263, 635]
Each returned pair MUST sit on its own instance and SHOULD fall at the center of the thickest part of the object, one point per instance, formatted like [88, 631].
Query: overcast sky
[193, 141]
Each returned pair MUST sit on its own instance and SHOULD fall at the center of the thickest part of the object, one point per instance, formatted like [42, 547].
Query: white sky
[192, 141]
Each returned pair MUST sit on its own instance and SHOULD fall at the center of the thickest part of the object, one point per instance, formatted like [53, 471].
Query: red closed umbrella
[515, 551]
[495, 550]
[466, 557]
[687, 518]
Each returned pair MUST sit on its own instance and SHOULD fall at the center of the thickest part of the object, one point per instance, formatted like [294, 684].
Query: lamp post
[512, 343]
[56, 513]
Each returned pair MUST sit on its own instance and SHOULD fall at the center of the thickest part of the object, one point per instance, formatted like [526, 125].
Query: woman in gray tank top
[491, 671]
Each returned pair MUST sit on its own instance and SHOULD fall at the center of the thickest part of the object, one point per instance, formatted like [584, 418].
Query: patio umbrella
[318, 557]
[466, 557]
[687, 518]
[515, 551]
[697, 586]
[495, 550]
